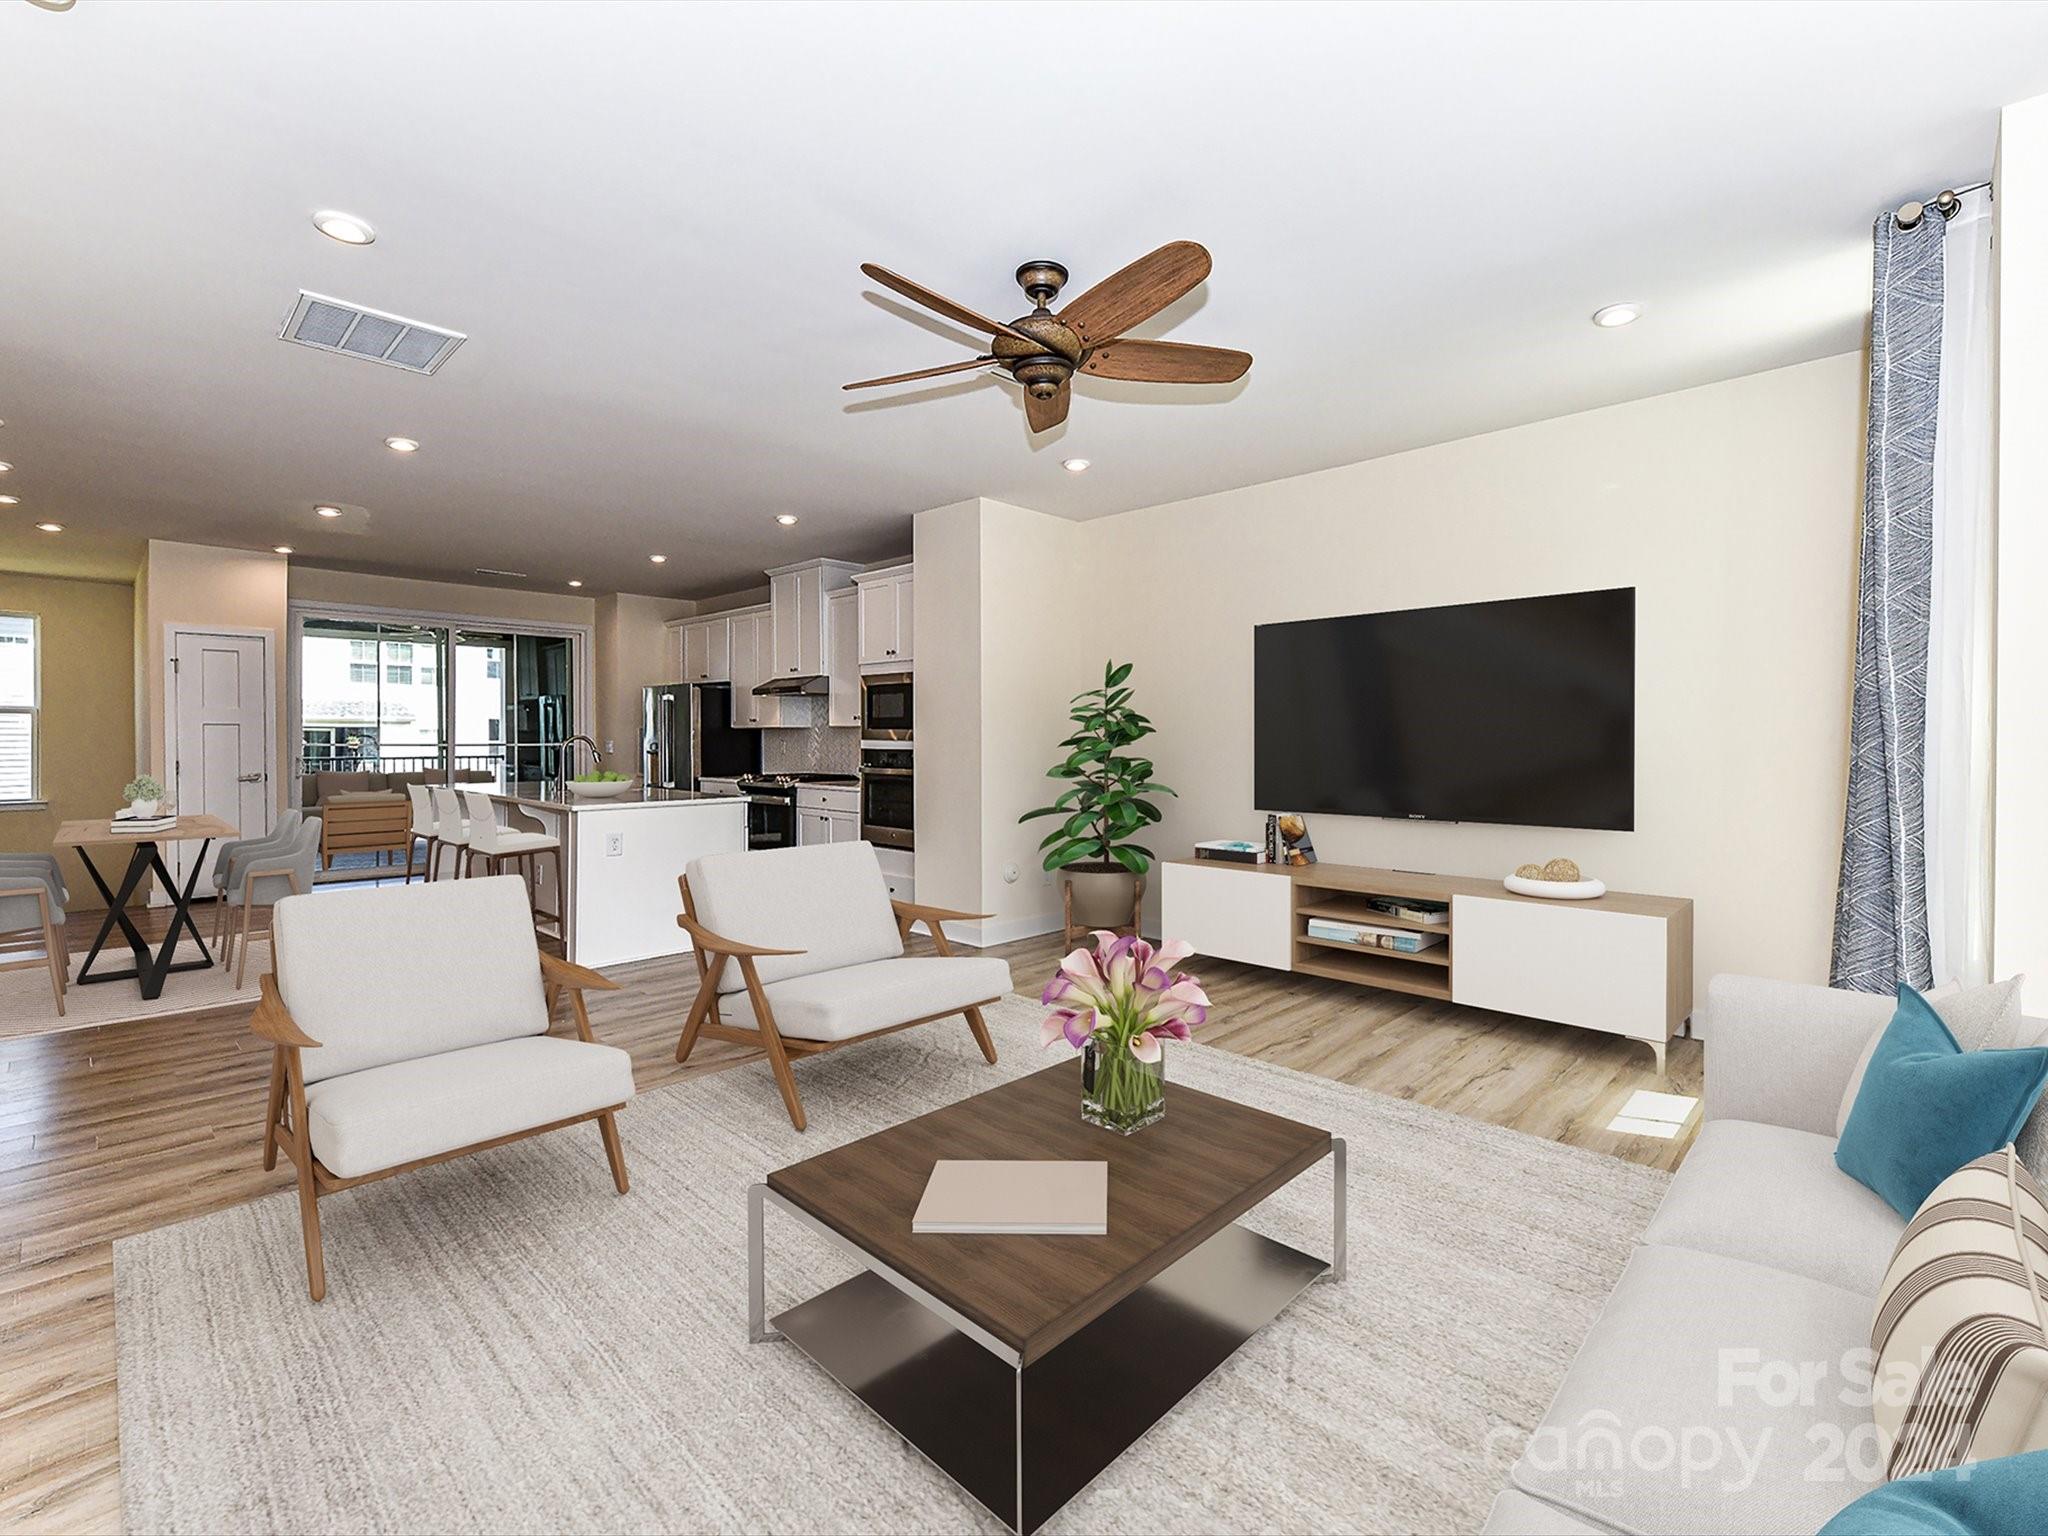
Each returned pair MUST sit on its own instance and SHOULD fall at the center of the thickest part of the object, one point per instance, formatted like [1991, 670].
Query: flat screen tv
[1521, 712]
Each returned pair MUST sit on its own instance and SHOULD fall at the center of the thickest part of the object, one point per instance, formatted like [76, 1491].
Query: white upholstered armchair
[410, 1026]
[807, 947]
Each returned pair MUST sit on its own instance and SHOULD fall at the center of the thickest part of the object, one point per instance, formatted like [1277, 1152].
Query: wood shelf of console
[1620, 964]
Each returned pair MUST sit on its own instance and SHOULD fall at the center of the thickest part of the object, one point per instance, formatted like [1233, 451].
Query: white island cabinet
[620, 859]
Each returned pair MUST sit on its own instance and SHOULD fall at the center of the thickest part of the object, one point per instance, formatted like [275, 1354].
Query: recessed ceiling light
[4, 468]
[280, 549]
[402, 444]
[10, 501]
[574, 582]
[659, 559]
[345, 227]
[51, 527]
[327, 511]
[1617, 314]
[787, 519]
[1073, 466]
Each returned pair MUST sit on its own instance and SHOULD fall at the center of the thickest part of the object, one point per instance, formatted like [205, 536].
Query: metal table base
[150, 969]
[1023, 1439]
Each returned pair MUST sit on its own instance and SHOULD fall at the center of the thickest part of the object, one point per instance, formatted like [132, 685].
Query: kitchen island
[620, 860]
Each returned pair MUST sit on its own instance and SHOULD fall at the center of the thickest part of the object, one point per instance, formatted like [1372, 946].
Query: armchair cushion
[383, 1116]
[405, 971]
[858, 999]
[828, 900]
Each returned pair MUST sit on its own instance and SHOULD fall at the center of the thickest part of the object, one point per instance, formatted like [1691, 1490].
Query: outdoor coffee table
[1023, 1366]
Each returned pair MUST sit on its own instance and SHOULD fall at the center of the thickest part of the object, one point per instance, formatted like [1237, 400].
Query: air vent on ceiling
[334, 325]
[485, 570]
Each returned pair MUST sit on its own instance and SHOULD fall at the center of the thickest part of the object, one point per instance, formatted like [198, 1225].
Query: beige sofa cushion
[828, 900]
[400, 1113]
[327, 785]
[859, 999]
[1775, 1197]
[402, 971]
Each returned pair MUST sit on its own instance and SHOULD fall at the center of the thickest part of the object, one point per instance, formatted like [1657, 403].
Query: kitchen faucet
[568, 757]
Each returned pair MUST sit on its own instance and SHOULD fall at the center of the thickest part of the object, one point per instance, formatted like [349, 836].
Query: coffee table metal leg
[758, 1331]
[1338, 1227]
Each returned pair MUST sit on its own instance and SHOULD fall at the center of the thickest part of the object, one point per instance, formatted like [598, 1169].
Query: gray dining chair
[32, 917]
[278, 837]
[260, 879]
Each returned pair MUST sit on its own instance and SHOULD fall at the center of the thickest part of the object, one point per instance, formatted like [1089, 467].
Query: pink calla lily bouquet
[1125, 999]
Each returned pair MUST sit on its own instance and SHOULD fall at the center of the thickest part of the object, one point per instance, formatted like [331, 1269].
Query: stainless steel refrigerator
[686, 732]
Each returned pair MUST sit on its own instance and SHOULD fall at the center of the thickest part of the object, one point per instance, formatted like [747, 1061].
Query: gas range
[771, 808]
[772, 783]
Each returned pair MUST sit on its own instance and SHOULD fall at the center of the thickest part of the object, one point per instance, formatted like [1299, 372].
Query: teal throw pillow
[2006, 1497]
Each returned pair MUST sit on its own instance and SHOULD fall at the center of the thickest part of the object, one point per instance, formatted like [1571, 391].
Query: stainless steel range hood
[805, 685]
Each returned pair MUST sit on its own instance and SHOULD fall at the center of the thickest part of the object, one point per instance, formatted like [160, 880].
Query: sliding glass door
[494, 705]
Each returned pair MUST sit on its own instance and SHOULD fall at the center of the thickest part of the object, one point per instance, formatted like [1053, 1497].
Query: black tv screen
[1521, 712]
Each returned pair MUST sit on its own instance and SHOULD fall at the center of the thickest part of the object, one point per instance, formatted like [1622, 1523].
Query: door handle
[250, 778]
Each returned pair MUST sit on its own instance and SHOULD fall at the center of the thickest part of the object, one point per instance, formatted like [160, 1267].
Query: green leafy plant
[1105, 806]
[142, 787]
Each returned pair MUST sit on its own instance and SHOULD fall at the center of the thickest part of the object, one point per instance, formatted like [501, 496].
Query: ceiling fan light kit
[1042, 351]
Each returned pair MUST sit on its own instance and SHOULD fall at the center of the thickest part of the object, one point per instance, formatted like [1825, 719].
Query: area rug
[506, 1345]
[26, 1007]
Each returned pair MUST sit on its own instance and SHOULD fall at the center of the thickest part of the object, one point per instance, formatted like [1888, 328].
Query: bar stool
[450, 831]
[496, 844]
[425, 826]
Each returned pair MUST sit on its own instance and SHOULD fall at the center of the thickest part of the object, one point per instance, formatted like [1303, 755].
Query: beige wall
[1732, 509]
[201, 586]
[635, 648]
[87, 720]
[346, 588]
[2019, 936]
[946, 546]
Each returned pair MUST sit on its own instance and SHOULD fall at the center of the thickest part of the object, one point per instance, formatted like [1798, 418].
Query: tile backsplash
[816, 749]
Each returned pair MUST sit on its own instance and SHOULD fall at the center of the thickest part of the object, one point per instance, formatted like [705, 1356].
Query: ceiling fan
[1042, 350]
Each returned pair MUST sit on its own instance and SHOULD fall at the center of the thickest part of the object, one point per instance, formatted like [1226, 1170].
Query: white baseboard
[1006, 930]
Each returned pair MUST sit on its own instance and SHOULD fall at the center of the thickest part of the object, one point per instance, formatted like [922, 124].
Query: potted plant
[1104, 806]
[1119, 1004]
[143, 794]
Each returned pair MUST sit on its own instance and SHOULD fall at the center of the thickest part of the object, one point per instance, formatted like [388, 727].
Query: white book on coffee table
[1069, 1199]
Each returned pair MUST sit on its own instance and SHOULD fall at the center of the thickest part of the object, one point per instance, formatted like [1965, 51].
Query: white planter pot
[144, 807]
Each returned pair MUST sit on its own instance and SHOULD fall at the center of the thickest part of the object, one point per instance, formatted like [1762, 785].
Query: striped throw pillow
[1961, 1333]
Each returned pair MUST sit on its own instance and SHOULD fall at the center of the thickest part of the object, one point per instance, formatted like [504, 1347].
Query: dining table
[145, 856]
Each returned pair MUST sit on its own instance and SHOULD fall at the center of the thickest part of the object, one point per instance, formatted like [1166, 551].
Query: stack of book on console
[1416, 911]
[1366, 936]
[1230, 851]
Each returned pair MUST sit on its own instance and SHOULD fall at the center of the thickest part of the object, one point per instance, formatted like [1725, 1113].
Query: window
[362, 672]
[397, 674]
[18, 702]
[492, 733]
[491, 666]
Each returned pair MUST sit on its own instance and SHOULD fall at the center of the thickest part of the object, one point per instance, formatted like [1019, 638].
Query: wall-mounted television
[1522, 712]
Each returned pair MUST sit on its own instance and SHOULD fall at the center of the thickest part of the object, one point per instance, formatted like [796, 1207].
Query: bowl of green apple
[602, 784]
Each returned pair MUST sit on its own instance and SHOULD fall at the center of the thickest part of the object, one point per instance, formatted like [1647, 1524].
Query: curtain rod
[1947, 204]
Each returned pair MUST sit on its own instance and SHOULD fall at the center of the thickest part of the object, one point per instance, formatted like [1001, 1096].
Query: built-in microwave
[885, 706]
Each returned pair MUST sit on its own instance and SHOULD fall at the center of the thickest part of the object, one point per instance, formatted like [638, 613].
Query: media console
[1621, 964]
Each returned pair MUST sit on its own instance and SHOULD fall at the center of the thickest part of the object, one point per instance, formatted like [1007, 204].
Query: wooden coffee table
[1023, 1366]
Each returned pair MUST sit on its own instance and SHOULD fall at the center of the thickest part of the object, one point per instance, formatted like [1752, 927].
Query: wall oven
[885, 706]
[888, 796]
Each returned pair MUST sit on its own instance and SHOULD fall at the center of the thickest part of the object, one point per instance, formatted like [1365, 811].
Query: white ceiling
[650, 219]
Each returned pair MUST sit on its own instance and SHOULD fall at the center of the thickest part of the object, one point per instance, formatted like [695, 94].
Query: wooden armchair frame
[50, 939]
[284, 1124]
[711, 952]
[238, 918]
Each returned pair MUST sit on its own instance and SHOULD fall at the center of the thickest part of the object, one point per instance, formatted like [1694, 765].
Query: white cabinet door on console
[1230, 912]
[1563, 961]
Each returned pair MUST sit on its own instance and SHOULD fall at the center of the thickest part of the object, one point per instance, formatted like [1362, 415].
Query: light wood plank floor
[119, 1129]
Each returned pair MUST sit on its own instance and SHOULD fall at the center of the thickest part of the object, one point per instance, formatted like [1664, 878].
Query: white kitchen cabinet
[796, 604]
[750, 646]
[886, 617]
[707, 651]
[842, 657]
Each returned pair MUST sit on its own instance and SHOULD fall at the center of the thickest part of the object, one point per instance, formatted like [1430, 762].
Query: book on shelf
[1415, 911]
[1365, 936]
[1229, 850]
[1013, 1198]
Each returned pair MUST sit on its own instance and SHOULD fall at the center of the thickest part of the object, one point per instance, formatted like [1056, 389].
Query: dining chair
[225, 854]
[450, 829]
[32, 917]
[263, 880]
[426, 827]
[497, 844]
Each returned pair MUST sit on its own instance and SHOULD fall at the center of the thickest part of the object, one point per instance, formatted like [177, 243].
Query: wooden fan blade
[939, 304]
[1166, 362]
[1047, 414]
[1138, 292]
[923, 373]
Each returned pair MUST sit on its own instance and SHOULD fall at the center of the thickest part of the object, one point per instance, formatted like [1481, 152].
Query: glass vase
[1119, 1092]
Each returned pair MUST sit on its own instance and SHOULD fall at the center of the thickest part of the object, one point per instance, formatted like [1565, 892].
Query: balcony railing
[339, 757]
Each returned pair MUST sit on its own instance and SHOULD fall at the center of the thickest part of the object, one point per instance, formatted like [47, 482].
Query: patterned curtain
[1881, 905]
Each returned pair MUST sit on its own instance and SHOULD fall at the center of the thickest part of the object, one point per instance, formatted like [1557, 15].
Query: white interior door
[220, 735]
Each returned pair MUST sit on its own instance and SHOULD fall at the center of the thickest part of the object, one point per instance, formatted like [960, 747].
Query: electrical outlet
[614, 844]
